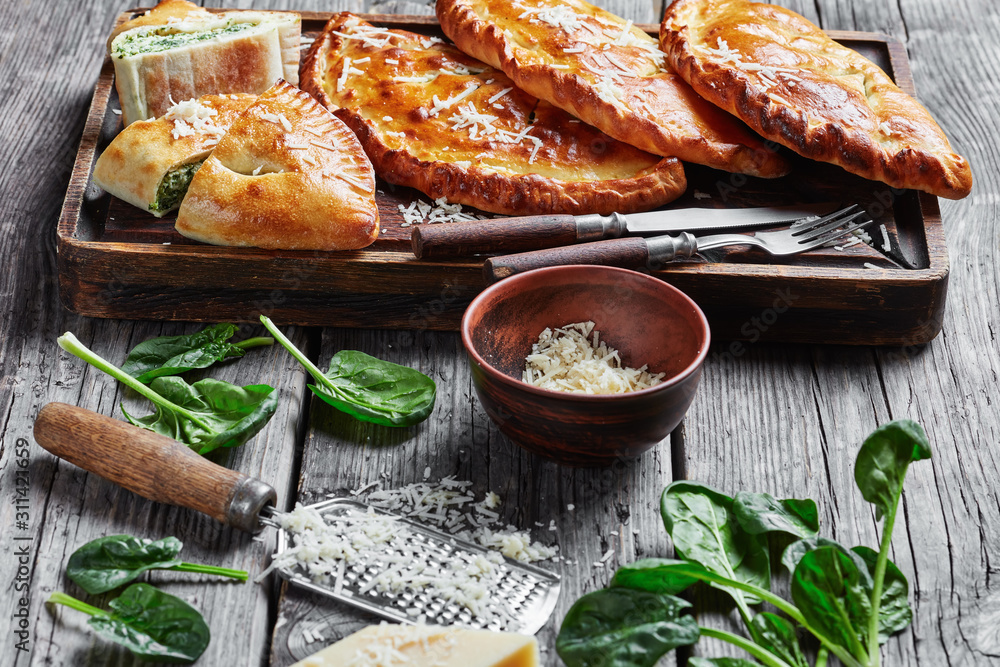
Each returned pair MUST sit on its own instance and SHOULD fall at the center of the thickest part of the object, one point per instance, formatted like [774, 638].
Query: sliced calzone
[606, 71]
[178, 51]
[287, 175]
[432, 118]
[789, 81]
[150, 163]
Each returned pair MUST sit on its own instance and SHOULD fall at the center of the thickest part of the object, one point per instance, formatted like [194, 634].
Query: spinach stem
[821, 657]
[767, 596]
[874, 654]
[259, 341]
[70, 343]
[295, 352]
[242, 575]
[58, 597]
[756, 650]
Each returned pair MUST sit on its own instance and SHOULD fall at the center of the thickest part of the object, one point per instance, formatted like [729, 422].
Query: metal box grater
[524, 598]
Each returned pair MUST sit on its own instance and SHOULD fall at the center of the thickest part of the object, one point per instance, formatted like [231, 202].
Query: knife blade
[504, 235]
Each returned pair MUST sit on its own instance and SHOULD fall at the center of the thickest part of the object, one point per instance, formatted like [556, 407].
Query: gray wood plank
[613, 508]
[78, 507]
[797, 435]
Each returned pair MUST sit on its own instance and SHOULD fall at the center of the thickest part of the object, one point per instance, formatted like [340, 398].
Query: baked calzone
[179, 50]
[787, 80]
[606, 71]
[435, 119]
[287, 175]
[151, 162]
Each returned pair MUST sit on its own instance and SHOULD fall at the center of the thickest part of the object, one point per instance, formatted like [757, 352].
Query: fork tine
[809, 234]
[807, 224]
[815, 242]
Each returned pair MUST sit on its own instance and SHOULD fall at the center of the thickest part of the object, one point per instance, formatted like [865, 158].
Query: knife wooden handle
[152, 465]
[458, 239]
[630, 253]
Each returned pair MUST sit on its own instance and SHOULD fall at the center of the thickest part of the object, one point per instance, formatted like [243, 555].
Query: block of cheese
[424, 645]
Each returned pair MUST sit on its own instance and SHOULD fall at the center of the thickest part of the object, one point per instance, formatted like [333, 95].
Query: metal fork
[637, 252]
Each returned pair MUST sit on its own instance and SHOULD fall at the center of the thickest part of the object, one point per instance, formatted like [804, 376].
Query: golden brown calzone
[287, 175]
[787, 80]
[179, 50]
[604, 70]
[433, 118]
[150, 163]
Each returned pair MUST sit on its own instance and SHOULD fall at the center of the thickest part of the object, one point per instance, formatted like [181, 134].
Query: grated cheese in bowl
[567, 360]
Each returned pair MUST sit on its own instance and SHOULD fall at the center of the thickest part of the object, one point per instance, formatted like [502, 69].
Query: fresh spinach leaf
[704, 529]
[623, 627]
[656, 575]
[367, 388]
[150, 623]
[894, 612]
[173, 355]
[884, 459]
[796, 550]
[778, 636]
[879, 472]
[208, 414]
[205, 416]
[760, 513]
[108, 562]
[834, 598]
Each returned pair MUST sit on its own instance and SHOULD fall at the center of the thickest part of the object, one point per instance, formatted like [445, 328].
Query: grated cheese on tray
[567, 360]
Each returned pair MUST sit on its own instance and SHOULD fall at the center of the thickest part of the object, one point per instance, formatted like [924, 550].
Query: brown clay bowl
[644, 318]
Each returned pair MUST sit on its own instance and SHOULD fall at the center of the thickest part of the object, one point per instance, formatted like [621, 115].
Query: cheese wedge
[426, 646]
[179, 51]
[432, 118]
[287, 175]
[150, 163]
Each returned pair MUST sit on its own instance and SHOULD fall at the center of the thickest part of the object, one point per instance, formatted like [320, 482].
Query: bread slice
[607, 72]
[179, 51]
[787, 80]
[150, 163]
[287, 175]
[433, 118]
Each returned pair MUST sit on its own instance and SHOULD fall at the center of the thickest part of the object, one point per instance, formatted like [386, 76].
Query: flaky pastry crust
[604, 70]
[136, 160]
[787, 80]
[432, 118]
[287, 175]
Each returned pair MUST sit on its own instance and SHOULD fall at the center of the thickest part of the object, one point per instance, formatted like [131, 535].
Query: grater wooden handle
[151, 465]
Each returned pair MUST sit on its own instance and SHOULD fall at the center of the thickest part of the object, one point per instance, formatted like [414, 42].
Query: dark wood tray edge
[92, 286]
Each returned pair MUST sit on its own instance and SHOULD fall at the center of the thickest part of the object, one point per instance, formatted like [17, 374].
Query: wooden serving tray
[117, 261]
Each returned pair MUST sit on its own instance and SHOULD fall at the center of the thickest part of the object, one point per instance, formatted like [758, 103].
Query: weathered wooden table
[786, 419]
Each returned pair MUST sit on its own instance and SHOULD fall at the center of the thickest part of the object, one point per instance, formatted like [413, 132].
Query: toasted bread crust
[822, 100]
[313, 188]
[135, 161]
[655, 109]
[559, 165]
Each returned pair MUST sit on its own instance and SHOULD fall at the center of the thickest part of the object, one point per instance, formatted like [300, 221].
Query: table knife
[505, 235]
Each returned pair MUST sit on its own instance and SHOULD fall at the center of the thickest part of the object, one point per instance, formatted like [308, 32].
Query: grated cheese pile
[452, 508]
[324, 548]
[566, 360]
[192, 117]
[420, 211]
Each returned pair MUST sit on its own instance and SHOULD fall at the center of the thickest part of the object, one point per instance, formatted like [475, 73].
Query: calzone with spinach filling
[179, 50]
[150, 163]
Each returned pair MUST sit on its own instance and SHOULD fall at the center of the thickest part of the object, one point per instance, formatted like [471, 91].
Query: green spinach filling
[173, 186]
[162, 38]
